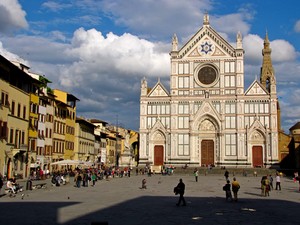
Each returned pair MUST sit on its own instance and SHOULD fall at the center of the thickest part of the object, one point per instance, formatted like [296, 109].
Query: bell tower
[267, 76]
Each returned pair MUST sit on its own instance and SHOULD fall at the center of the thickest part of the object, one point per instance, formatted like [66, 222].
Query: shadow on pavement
[150, 210]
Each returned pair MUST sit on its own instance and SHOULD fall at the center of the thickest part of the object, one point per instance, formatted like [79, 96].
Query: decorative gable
[206, 42]
[158, 91]
[256, 89]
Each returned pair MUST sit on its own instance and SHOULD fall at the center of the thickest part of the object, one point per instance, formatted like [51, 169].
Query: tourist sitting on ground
[185, 166]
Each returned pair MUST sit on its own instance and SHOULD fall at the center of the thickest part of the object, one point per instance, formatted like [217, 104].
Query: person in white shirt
[278, 186]
[11, 186]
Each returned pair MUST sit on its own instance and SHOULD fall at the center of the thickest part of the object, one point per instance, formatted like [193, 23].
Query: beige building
[85, 141]
[101, 133]
[208, 117]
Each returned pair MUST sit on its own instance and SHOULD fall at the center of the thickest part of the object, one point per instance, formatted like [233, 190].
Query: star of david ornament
[206, 48]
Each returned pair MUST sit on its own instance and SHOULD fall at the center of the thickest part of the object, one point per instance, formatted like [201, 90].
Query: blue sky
[99, 50]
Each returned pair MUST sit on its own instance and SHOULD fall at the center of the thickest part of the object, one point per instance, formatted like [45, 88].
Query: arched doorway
[207, 134]
[159, 142]
[257, 140]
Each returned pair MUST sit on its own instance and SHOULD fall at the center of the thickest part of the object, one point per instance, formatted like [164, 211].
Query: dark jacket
[180, 188]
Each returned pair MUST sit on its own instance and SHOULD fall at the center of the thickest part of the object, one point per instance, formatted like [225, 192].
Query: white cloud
[282, 51]
[231, 24]
[297, 26]
[55, 6]
[11, 16]
[253, 45]
[160, 19]
[124, 55]
[11, 56]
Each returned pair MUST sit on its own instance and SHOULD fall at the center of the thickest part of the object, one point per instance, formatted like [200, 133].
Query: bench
[39, 186]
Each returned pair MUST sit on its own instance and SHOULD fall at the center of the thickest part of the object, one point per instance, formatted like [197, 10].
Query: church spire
[267, 76]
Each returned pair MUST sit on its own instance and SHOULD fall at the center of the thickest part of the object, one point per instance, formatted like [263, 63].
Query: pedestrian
[235, 188]
[271, 182]
[179, 189]
[93, 177]
[278, 185]
[298, 179]
[144, 184]
[1, 182]
[263, 186]
[227, 190]
[78, 179]
[196, 174]
[226, 174]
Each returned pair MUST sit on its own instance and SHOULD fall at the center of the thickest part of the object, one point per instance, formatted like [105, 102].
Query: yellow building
[33, 129]
[58, 137]
[16, 86]
[69, 113]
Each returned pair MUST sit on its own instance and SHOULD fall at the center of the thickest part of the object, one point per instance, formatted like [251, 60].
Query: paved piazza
[120, 201]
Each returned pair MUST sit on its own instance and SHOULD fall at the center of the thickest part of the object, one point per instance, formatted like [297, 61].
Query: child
[227, 190]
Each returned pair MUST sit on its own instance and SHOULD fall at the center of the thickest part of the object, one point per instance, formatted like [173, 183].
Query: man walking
[235, 188]
[278, 186]
[180, 190]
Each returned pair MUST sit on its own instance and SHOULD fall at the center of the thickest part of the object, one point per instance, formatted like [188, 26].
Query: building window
[183, 68]
[4, 99]
[3, 130]
[11, 136]
[229, 81]
[24, 112]
[183, 144]
[229, 67]
[183, 82]
[230, 122]
[19, 110]
[183, 108]
[183, 122]
[230, 144]
[230, 108]
[13, 108]
[23, 138]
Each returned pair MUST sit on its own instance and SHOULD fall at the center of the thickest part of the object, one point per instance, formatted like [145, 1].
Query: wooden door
[207, 152]
[158, 155]
[257, 156]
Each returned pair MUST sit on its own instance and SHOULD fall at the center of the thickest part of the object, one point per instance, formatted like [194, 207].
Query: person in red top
[41, 173]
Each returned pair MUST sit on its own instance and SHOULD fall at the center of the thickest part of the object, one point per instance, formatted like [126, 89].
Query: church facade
[208, 117]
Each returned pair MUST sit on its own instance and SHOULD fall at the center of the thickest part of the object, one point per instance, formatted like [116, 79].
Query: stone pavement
[120, 201]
